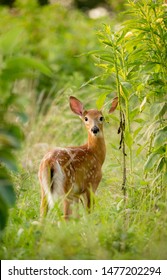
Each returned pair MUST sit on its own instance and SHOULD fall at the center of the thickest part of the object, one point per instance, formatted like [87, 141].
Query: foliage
[33, 58]
[113, 5]
[134, 61]
[13, 67]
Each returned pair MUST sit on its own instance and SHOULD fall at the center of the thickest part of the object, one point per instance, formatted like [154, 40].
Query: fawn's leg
[89, 200]
[67, 208]
[46, 185]
[44, 204]
[76, 207]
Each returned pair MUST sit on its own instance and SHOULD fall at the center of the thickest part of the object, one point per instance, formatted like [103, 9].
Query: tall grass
[109, 232]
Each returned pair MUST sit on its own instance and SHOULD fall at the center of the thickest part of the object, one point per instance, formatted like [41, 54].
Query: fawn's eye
[101, 119]
[86, 119]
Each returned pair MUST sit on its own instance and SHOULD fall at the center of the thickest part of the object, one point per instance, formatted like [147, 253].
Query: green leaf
[126, 88]
[139, 149]
[108, 58]
[149, 66]
[24, 63]
[151, 161]
[23, 117]
[158, 109]
[161, 150]
[89, 81]
[164, 179]
[3, 213]
[11, 41]
[10, 74]
[136, 131]
[128, 139]
[161, 164]
[139, 120]
[150, 130]
[134, 113]
[155, 82]
[7, 192]
[143, 103]
[8, 159]
[11, 135]
[160, 138]
[100, 101]
[7, 195]
[108, 43]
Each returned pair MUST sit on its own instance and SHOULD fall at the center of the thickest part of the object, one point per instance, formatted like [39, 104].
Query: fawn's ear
[113, 105]
[76, 106]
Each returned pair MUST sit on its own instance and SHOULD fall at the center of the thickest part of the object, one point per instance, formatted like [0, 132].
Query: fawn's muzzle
[95, 129]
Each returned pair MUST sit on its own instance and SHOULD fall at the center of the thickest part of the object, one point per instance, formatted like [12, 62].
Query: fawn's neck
[97, 146]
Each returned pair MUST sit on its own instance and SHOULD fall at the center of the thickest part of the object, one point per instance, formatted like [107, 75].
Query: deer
[73, 172]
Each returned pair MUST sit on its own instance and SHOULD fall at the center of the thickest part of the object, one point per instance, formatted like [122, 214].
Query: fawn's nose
[95, 129]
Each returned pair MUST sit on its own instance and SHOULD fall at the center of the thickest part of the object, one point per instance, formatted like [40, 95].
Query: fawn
[70, 172]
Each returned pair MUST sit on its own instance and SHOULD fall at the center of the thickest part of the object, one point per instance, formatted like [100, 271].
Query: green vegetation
[47, 54]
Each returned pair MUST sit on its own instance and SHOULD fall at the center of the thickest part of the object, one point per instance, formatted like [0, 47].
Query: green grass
[112, 231]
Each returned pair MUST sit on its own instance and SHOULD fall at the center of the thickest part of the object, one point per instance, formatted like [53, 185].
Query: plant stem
[122, 129]
[129, 131]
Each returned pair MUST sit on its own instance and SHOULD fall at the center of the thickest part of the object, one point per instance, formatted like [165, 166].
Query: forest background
[49, 51]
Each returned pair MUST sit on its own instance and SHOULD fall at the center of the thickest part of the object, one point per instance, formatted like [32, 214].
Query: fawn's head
[93, 119]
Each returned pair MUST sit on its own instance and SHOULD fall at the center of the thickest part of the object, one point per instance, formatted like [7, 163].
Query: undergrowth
[111, 231]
